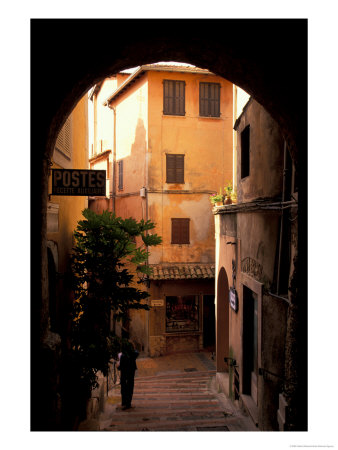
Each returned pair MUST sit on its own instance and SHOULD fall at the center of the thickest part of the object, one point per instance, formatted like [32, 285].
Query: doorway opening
[209, 340]
[222, 321]
[250, 343]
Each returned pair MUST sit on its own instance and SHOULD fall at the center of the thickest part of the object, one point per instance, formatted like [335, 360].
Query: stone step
[164, 424]
[179, 375]
[156, 388]
[158, 397]
[152, 414]
[171, 402]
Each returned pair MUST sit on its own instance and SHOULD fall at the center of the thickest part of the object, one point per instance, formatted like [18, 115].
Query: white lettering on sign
[157, 302]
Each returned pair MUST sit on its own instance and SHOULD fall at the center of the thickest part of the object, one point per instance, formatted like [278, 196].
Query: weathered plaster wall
[266, 162]
[207, 146]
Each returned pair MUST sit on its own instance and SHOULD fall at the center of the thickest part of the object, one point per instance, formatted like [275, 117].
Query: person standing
[127, 367]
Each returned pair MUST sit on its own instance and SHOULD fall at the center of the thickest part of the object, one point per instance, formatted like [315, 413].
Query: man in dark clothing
[127, 366]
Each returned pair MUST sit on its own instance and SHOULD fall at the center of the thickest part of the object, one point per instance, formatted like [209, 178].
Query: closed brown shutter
[175, 168]
[210, 99]
[174, 97]
[180, 231]
[64, 139]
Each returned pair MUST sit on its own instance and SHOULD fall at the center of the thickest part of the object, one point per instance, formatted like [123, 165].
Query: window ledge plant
[217, 199]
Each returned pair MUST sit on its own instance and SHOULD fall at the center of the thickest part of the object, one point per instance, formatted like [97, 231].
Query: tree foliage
[104, 253]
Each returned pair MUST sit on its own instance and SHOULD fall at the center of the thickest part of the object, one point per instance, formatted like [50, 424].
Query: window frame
[190, 314]
[245, 152]
[206, 107]
[178, 101]
[180, 236]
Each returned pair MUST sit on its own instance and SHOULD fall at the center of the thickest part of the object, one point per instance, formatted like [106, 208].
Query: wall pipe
[281, 221]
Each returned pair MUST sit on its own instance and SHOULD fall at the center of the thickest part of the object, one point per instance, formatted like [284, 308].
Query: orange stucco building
[171, 148]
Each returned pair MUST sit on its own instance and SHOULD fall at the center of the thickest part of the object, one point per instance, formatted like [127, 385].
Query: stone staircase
[183, 401]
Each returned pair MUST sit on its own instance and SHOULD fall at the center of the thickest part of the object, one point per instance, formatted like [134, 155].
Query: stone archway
[86, 51]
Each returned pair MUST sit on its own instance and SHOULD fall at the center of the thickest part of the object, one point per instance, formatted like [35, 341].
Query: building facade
[254, 254]
[172, 148]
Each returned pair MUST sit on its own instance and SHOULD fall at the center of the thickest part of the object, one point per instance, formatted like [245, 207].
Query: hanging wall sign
[78, 182]
[233, 299]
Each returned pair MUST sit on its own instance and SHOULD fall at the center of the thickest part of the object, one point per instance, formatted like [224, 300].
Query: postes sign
[78, 182]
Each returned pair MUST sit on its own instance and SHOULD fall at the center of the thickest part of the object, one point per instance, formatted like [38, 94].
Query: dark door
[209, 322]
[250, 343]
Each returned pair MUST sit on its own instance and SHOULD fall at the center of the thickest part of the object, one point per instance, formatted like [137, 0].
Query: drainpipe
[234, 139]
[95, 124]
[114, 160]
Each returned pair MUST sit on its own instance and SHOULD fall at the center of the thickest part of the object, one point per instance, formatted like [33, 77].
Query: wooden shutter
[168, 97]
[170, 168]
[179, 160]
[180, 231]
[180, 98]
[203, 99]
[175, 168]
[214, 100]
[210, 99]
[64, 139]
[174, 97]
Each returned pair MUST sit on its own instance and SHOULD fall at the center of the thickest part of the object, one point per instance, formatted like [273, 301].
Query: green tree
[105, 247]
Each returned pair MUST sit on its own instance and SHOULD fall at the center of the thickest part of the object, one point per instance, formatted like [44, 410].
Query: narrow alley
[172, 393]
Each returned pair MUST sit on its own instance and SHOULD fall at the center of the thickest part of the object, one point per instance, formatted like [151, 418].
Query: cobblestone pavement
[174, 393]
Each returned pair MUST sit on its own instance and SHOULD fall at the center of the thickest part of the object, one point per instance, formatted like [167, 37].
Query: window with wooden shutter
[64, 140]
[180, 231]
[210, 99]
[174, 97]
[120, 186]
[175, 168]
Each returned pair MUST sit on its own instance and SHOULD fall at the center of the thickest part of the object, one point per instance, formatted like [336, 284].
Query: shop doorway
[209, 328]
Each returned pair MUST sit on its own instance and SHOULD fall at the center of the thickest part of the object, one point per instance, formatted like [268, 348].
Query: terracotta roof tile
[182, 271]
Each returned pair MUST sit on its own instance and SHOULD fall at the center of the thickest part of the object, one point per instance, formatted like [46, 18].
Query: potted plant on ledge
[230, 194]
[217, 199]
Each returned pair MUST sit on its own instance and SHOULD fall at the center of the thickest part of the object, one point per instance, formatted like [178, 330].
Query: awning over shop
[182, 271]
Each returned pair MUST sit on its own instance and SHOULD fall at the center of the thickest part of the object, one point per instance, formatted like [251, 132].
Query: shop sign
[157, 302]
[78, 182]
[233, 299]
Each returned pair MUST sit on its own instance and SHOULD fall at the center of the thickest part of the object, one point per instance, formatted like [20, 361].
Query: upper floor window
[245, 152]
[180, 231]
[174, 97]
[210, 99]
[120, 186]
[175, 168]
